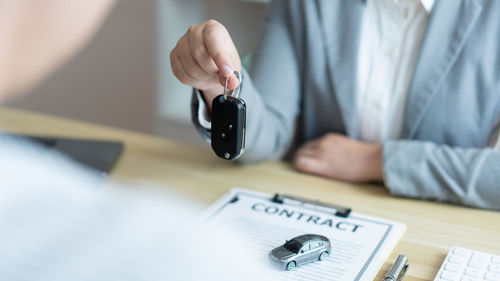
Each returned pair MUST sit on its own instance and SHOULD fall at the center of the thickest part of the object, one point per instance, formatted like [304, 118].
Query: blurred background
[122, 78]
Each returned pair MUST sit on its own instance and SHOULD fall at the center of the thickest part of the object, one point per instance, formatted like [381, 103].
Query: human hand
[339, 157]
[204, 57]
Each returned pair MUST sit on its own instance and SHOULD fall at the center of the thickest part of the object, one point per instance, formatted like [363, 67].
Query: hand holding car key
[203, 58]
[228, 124]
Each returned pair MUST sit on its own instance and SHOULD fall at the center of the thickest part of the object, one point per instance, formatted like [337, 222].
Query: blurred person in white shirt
[60, 221]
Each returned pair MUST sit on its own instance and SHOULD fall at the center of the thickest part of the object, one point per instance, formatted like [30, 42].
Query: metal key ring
[237, 90]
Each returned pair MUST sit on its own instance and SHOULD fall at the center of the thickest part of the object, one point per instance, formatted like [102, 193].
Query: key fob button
[225, 135]
[226, 132]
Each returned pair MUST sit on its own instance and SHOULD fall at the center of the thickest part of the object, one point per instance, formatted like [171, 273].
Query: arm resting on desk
[468, 176]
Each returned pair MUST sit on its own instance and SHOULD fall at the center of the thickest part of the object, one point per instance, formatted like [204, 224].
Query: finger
[309, 165]
[232, 83]
[199, 52]
[306, 151]
[311, 145]
[305, 154]
[179, 72]
[217, 42]
[189, 65]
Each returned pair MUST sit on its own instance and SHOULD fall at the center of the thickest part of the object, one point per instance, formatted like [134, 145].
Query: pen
[398, 270]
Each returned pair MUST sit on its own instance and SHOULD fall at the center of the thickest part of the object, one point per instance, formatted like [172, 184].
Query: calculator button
[480, 257]
[476, 264]
[460, 252]
[453, 267]
[447, 275]
[457, 259]
[495, 260]
[466, 278]
[492, 276]
[478, 260]
[472, 272]
[494, 268]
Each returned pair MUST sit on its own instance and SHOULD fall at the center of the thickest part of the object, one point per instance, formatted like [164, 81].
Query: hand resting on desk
[339, 157]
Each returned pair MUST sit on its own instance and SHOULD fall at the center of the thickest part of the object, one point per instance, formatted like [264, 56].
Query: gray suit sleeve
[468, 176]
[270, 91]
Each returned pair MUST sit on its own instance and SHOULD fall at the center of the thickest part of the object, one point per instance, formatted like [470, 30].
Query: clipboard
[361, 243]
[336, 210]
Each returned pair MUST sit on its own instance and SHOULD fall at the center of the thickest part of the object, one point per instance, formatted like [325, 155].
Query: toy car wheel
[291, 265]
[323, 256]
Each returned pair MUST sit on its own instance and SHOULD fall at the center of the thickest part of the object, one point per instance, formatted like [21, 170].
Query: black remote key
[228, 126]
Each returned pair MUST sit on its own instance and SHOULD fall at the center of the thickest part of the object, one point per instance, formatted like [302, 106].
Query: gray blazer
[303, 80]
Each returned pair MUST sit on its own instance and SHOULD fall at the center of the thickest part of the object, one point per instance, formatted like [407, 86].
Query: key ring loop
[237, 90]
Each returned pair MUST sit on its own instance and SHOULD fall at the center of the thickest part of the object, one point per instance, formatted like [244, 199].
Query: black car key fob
[228, 126]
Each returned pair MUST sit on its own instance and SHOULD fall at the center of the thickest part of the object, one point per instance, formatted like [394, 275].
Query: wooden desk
[432, 228]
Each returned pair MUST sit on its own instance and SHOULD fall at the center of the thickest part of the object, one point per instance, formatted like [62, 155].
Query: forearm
[270, 126]
[468, 176]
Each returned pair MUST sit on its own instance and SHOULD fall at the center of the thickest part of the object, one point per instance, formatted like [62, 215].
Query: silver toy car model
[300, 250]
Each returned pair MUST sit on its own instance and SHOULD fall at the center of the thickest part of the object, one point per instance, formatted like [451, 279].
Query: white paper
[360, 243]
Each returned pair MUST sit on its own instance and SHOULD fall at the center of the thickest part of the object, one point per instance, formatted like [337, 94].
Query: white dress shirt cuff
[203, 115]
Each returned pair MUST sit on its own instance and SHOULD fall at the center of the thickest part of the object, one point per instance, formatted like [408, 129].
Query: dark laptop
[95, 154]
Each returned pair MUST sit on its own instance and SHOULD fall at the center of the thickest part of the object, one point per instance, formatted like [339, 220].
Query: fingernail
[227, 71]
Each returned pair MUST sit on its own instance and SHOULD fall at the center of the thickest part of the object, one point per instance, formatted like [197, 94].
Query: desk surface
[432, 228]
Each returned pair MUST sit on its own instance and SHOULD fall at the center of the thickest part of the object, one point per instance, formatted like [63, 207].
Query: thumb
[232, 81]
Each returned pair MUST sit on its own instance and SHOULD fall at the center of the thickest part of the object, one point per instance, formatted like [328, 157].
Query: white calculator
[468, 265]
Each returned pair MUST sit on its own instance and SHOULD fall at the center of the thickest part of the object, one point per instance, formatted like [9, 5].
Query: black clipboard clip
[340, 211]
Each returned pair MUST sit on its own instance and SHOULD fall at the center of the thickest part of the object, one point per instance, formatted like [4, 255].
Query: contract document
[360, 243]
